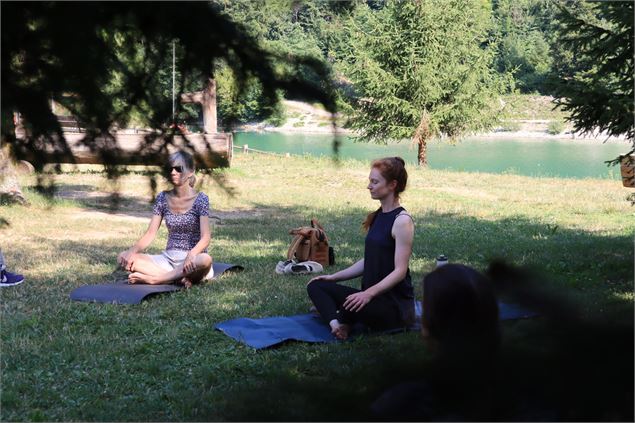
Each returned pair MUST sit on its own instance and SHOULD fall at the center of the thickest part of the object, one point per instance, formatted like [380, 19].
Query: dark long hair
[460, 309]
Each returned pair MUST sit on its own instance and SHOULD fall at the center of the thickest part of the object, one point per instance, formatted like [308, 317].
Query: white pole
[173, 78]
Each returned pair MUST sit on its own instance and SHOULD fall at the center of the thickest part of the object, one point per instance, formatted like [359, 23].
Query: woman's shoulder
[161, 197]
[403, 220]
[201, 204]
[202, 197]
[160, 203]
[403, 213]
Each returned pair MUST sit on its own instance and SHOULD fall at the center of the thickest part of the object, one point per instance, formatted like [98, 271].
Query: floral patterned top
[184, 229]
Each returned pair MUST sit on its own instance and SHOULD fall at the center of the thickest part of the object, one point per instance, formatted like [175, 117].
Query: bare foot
[136, 277]
[186, 282]
[339, 330]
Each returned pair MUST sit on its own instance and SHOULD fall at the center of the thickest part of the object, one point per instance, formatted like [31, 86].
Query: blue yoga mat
[123, 293]
[270, 331]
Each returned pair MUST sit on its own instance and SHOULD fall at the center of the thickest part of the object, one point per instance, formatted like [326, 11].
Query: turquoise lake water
[530, 157]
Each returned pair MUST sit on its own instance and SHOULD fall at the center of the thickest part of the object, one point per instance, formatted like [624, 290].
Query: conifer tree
[597, 88]
[423, 70]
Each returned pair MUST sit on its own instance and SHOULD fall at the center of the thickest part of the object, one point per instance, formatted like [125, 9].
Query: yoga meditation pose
[186, 212]
[386, 300]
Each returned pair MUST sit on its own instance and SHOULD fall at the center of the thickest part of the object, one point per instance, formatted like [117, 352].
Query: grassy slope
[532, 107]
[162, 360]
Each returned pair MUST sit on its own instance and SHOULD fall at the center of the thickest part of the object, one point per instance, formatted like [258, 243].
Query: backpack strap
[316, 224]
[304, 231]
[319, 230]
[294, 246]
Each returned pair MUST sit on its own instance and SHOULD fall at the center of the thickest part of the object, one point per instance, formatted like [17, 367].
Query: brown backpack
[310, 244]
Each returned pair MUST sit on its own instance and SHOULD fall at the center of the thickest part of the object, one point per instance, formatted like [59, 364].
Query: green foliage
[110, 62]
[423, 66]
[523, 27]
[239, 103]
[597, 89]
[146, 58]
[277, 118]
[555, 127]
[288, 28]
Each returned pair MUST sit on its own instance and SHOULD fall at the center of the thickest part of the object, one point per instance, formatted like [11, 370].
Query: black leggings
[380, 313]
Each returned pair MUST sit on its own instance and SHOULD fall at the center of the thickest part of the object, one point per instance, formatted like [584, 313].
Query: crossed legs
[328, 298]
[145, 270]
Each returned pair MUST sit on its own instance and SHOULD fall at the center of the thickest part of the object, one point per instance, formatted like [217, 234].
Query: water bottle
[442, 260]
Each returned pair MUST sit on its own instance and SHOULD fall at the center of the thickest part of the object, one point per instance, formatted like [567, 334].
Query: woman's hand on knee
[126, 260]
[189, 265]
[355, 302]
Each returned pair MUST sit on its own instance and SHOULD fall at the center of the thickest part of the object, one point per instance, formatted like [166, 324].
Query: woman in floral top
[186, 212]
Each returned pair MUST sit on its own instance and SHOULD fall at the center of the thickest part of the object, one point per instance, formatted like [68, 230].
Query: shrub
[278, 117]
[555, 127]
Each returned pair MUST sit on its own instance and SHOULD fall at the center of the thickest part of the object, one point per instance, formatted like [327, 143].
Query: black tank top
[379, 261]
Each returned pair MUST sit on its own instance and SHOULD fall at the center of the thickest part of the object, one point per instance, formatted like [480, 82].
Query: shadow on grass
[581, 260]
[184, 370]
[91, 199]
[88, 197]
[591, 270]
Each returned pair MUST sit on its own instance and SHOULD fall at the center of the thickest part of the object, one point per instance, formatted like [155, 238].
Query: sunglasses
[179, 169]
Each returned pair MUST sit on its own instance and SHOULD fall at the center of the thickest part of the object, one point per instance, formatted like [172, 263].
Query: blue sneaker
[10, 279]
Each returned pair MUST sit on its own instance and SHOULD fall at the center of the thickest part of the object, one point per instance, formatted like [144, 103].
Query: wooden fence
[215, 150]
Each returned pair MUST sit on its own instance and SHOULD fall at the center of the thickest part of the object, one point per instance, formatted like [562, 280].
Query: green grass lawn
[163, 361]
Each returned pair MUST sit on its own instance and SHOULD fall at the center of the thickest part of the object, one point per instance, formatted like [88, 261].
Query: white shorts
[170, 259]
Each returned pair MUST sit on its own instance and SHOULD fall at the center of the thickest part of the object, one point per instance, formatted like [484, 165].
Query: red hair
[391, 169]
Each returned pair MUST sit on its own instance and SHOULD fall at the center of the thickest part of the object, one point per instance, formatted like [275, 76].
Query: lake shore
[530, 134]
[304, 118]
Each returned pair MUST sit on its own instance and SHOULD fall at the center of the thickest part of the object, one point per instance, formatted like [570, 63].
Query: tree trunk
[9, 186]
[422, 152]
[421, 137]
[209, 107]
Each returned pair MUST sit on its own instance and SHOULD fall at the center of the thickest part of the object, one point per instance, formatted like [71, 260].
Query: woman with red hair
[386, 298]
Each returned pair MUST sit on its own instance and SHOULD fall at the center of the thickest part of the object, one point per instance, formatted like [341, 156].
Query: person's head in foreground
[460, 312]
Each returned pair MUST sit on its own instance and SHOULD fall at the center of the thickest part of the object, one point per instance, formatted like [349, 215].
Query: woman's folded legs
[328, 298]
[145, 270]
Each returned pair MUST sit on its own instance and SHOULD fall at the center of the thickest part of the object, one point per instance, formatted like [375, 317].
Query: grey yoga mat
[123, 293]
